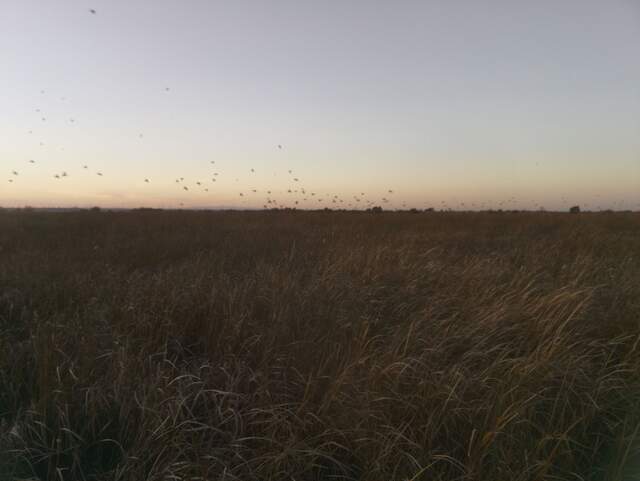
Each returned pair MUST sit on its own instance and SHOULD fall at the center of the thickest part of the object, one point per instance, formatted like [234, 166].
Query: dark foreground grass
[315, 346]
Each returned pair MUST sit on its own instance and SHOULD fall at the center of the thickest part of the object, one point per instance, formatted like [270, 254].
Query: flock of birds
[297, 194]
[294, 196]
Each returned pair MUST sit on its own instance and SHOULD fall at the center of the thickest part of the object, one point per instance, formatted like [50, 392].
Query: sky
[457, 104]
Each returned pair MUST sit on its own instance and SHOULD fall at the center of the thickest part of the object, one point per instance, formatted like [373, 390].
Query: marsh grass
[314, 346]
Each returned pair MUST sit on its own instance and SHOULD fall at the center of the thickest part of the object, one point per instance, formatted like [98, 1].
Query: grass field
[319, 345]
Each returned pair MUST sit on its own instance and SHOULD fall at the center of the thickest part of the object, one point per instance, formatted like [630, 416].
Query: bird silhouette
[92, 11]
[146, 180]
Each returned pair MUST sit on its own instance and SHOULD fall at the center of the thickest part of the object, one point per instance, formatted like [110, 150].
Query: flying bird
[14, 172]
[186, 188]
[146, 180]
[100, 174]
[32, 161]
[92, 11]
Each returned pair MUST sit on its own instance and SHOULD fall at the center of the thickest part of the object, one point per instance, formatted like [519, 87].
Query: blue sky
[475, 102]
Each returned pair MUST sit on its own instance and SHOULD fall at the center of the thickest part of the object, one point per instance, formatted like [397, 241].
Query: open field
[313, 346]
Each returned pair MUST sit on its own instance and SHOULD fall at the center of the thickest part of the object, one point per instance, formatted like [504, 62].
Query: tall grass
[315, 346]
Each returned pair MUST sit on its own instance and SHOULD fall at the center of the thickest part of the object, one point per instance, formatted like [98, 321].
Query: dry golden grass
[314, 346]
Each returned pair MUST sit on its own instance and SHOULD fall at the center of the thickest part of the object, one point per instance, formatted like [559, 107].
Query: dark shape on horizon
[64, 174]
[186, 188]
[14, 172]
[85, 167]
[575, 209]
[146, 180]
[32, 161]
[100, 174]
[279, 146]
[92, 11]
